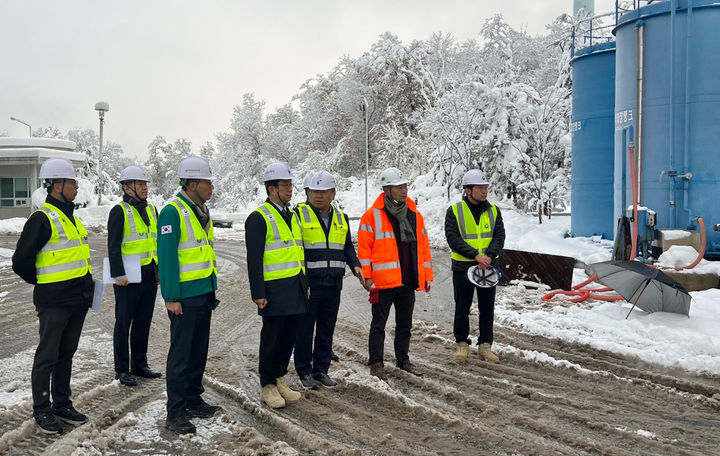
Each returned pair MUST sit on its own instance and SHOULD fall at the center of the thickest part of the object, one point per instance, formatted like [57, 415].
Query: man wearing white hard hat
[394, 251]
[53, 254]
[475, 232]
[328, 248]
[132, 231]
[188, 280]
[278, 286]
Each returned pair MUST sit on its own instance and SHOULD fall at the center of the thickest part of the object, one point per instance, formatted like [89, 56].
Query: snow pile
[678, 256]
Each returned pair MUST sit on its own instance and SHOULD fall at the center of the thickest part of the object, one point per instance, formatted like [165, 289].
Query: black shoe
[407, 366]
[203, 410]
[69, 415]
[334, 357]
[324, 379]
[146, 372]
[308, 382]
[180, 425]
[126, 378]
[47, 423]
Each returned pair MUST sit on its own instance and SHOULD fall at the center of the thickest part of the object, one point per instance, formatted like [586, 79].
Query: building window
[14, 192]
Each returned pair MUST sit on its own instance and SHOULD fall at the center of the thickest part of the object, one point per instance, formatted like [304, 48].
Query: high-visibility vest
[66, 255]
[195, 250]
[478, 235]
[321, 251]
[378, 252]
[139, 238]
[284, 255]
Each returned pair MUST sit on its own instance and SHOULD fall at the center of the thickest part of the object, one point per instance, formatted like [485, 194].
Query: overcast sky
[176, 68]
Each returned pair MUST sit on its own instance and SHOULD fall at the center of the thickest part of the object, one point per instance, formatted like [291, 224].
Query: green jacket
[171, 288]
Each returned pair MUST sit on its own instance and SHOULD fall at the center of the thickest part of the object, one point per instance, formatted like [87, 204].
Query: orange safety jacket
[378, 252]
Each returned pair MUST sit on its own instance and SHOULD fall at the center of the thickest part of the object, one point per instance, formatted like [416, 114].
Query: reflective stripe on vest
[479, 235]
[139, 238]
[283, 256]
[196, 256]
[66, 255]
[323, 251]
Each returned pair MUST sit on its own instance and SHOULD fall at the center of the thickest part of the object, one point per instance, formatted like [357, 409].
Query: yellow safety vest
[196, 256]
[66, 255]
[138, 238]
[284, 255]
[477, 235]
[322, 251]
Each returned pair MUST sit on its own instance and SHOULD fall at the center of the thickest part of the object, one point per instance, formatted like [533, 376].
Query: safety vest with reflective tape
[378, 252]
[284, 254]
[321, 251]
[478, 235]
[66, 255]
[196, 256]
[139, 238]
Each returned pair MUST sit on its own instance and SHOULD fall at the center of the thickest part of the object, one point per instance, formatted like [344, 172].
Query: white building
[20, 161]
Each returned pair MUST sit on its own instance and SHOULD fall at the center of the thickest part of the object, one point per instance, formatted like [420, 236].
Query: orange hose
[701, 254]
[633, 250]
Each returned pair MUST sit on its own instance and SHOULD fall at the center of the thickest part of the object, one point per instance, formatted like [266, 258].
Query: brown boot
[485, 353]
[407, 366]
[463, 350]
[288, 394]
[378, 370]
[272, 397]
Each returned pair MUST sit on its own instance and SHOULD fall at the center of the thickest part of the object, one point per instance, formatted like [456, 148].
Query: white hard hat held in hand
[322, 181]
[474, 177]
[133, 173]
[392, 176]
[277, 171]
[57, 168]
[195, 167]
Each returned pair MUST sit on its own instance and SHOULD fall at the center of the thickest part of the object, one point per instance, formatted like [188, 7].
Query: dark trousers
[134, 305]
[277, 338]
[463, 291]
[324, 305]
[189, 340]
[404, 300]
[60, 329]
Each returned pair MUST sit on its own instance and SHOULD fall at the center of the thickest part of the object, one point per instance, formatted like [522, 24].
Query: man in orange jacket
[394, 252]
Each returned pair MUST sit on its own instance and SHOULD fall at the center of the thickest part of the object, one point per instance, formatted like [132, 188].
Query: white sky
[176, 68]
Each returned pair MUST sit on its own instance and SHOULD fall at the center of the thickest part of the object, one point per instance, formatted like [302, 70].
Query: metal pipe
[640, 33]
[671, 201]
[687, 175]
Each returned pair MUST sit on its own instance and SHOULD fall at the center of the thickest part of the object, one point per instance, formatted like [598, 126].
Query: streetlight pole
[364, 108]
[24, 123]
[101, 107]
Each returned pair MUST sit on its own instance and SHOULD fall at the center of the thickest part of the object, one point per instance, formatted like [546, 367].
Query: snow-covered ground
[673, 340]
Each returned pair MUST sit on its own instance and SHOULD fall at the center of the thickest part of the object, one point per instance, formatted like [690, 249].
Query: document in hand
[131, 263]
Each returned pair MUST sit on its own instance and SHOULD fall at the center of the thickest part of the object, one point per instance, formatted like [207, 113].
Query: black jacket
[458, 244]
[332, 277]
[115, 227]
[407, 251]
[36, 233]
[285, 296]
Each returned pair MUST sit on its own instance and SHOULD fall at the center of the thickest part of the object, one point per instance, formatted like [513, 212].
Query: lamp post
[22, 122]
[364, 108]
[101, 107]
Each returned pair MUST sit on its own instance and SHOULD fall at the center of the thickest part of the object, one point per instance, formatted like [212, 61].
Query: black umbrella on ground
[648, 288]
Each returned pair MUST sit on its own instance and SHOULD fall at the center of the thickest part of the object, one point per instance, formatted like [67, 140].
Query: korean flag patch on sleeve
[166, 229]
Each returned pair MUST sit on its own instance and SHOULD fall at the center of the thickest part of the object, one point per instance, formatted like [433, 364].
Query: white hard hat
[474, 177]
[484, 278]
[57, 168]
[133, 173]
[195, 167]
[277, 171]
[392, 176]
[322, 181]
[308, 178]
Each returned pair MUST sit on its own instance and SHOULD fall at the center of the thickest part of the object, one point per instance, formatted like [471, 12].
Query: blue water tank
[680, 125]
[593, 105]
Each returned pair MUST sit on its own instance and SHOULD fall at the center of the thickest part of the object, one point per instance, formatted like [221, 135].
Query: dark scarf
[202, 213]
[140, 205]
[399, 211]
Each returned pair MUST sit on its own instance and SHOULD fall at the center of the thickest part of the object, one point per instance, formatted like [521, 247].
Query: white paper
[98, 294]
[131, 263]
